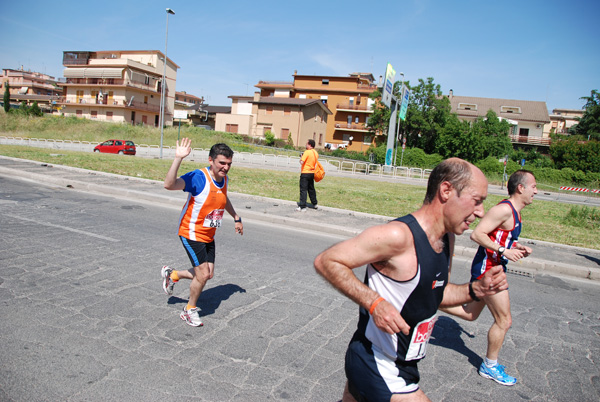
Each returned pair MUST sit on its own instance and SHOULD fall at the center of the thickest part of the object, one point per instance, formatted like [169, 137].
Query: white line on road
[63, 227]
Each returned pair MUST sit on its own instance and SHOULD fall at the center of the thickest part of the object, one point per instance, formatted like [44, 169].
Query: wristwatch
[501, 250]
[238, 220]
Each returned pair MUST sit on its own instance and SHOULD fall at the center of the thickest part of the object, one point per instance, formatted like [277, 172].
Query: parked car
[116, 147]
[204, 126]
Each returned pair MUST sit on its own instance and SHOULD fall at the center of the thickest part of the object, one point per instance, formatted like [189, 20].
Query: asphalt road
[84, 317]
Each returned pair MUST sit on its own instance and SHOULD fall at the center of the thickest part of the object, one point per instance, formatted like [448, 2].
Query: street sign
[180, 114]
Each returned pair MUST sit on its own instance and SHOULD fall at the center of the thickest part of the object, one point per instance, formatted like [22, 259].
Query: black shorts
[199, 252]
[372, 376]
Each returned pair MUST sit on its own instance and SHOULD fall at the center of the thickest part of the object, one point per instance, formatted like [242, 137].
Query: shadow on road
[211, 298]
[447, 334]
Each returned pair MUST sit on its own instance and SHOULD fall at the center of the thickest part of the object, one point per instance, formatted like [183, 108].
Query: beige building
[527, 118]
[118, 86]
[346, 97]
[240, 120]
[561, 120]
[298, 119]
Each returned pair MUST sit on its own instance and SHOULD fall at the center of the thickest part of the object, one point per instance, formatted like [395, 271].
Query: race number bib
[420, 339]
[214, 218]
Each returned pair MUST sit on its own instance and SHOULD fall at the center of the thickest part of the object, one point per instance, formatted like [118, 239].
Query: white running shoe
[191, 317]
[167, 283]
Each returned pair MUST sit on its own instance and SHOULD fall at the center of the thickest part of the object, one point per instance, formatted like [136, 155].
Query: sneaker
[299, 209]
[316, 207]
[167, 284]
[191, 317]
[497, 374]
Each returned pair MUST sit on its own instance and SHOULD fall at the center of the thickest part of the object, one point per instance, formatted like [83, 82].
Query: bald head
[458, 172]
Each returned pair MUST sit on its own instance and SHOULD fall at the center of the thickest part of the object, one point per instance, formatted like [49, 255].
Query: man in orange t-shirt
[307, 176]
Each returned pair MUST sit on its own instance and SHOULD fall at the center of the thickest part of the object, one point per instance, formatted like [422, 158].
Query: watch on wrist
[472, 293]
[501, 250]
[238, 220]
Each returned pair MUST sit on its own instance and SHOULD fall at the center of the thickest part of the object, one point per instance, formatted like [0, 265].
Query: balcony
[351, 127]
[88, 101]
[353, 108]
[523, 139]
[111, 82]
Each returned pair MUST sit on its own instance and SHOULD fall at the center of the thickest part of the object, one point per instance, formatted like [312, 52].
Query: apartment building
[561, 120]
[29, 87]
[22, 82]
[527, 118]
[346, 97]
[118, 86]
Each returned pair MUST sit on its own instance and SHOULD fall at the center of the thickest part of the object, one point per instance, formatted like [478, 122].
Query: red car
[116, 147]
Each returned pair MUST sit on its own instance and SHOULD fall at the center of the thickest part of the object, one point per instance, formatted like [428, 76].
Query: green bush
[269, 138]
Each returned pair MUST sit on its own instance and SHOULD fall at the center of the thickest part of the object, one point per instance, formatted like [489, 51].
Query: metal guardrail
[153, 151]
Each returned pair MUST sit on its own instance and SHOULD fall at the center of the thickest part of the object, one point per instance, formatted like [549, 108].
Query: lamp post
[162, 87]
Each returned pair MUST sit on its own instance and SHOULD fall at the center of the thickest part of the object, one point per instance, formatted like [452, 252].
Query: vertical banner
[388, 99]
[388, 86]
[404, 106]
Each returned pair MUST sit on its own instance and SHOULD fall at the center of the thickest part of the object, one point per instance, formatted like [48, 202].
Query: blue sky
[526, 49]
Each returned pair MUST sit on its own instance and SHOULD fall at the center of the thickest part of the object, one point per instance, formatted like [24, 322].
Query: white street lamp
[162, 87]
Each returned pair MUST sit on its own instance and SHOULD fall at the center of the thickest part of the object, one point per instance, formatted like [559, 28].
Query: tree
[6, 97]
[589, 123]
[428, 111]
[457, 138]
[492, 134]
[584, 155]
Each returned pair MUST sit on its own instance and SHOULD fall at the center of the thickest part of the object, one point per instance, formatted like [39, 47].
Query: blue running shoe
[497, 374]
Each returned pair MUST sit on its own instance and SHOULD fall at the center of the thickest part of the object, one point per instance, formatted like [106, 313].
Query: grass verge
[547, 221]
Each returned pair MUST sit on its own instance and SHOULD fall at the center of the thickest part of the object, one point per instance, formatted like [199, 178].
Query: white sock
[490, 363]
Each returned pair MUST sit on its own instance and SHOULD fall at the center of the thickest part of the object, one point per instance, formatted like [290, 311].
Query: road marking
[64, 228]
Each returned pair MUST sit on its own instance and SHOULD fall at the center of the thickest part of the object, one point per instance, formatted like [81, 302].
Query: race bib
[420, 339]
[214, 218]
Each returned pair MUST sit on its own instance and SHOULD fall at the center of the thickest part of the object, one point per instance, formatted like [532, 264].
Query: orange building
[346, 97]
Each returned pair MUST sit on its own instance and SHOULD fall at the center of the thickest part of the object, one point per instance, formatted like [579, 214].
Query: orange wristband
[375, 303]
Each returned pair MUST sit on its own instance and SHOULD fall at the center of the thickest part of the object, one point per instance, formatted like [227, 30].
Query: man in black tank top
[408, 262]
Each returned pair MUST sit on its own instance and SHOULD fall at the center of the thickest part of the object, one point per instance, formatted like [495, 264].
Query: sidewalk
[549, 258]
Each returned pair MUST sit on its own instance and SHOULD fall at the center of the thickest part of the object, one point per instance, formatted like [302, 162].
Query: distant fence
[346, 166]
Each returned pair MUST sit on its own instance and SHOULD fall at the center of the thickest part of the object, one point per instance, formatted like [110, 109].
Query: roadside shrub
[269, 138]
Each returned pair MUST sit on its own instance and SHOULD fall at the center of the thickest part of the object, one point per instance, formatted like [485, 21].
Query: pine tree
[6, 97]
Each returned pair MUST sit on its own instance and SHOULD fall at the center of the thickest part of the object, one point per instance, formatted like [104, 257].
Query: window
[367, 139]
[231, 128]
[79, 113]
[144, 120]
[524, 132]
[146, 99]
[109, 115]
[94, 114]
[321, 139]
[265, 129]
[349, 120]
[285, 132]
[287, 111]
[324, 99]
[467, 106]
[351, 100]
[510, 109]
[269, 109]
[325, 81]
[301, 96]
[356, 119]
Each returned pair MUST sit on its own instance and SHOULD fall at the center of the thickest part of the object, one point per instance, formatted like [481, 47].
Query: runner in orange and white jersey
[200, 217]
